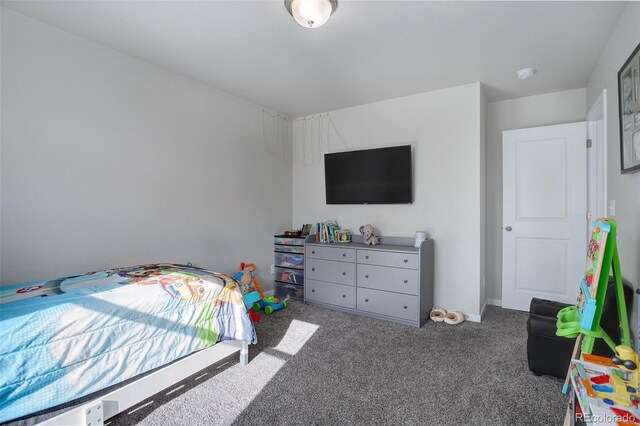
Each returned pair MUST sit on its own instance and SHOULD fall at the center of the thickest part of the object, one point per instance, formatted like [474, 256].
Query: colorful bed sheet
[65, 338]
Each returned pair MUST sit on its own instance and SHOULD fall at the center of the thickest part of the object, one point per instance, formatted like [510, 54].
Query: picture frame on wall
[629, 103]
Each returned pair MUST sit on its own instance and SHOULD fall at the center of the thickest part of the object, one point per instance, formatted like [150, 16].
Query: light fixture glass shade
[311, 13]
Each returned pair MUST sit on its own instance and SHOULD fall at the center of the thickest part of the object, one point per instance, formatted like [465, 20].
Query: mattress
[65, 338]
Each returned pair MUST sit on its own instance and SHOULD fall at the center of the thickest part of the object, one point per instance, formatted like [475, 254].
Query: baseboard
[494, 302]
[475, 317]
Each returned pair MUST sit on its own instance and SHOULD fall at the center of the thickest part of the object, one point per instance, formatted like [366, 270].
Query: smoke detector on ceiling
[525, 73]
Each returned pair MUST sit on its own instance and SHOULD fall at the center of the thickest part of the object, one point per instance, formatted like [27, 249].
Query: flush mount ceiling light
[311, 13]
[525, 73]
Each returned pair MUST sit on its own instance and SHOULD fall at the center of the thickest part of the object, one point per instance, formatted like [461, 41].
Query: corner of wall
[483, 198]
[624, 189]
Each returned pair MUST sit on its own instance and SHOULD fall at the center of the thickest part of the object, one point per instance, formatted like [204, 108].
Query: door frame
[597, 157]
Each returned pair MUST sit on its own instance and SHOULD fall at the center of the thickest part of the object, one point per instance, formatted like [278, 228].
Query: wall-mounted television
[370, 176]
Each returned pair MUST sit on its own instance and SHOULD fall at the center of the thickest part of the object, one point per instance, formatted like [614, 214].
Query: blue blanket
[66, 338]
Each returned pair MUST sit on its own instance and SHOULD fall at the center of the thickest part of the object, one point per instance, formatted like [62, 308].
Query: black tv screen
[371, 176]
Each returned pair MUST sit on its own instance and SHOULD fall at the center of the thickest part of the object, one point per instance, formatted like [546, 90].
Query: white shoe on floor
[437, 314]
[454, 317]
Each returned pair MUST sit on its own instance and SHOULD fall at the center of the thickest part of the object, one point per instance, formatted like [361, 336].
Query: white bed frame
[94, 413]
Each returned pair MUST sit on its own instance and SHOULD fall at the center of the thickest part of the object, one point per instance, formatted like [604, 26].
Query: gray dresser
[391, 281]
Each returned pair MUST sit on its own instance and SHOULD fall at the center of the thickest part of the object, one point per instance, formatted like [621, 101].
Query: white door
[544, 236]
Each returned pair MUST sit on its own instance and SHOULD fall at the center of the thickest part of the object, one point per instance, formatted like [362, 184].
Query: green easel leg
[622, 306]
[587, 344]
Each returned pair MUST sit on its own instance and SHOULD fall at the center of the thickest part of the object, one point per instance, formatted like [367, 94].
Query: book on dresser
[391, 281]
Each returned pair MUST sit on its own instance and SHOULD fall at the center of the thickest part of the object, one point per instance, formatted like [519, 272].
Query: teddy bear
[369, 235]
[247, 279]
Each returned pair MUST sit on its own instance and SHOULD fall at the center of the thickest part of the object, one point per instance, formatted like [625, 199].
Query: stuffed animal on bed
[370, 236]
[247, 279]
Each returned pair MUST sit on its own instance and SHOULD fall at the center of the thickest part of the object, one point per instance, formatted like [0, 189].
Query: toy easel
[583, 320]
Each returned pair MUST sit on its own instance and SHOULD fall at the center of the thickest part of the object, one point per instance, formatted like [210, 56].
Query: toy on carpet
[625, 381]
[249, 300]
[250, 287]
[247, 279]
[370, 236]
[270, 304]
[582, 320]
[617, 383]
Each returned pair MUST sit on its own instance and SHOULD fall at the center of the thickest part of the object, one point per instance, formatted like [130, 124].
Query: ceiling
[368, 51]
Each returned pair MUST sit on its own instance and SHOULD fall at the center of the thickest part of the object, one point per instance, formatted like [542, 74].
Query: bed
[66, 338]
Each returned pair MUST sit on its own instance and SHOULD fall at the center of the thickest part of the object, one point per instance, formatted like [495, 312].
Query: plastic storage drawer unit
[289, 241]
[288, 249]
[289, 291]
[288, 271]
[289, 260]
[289, 276]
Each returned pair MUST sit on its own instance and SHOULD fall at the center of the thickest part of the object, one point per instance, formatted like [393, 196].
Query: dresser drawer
[288, 291]
[289, 260]
[388, 258]
[396, 305]
[389, 279]
[331, 271]
[290, 241]
[342, 254]
[288, 249]
[333, 294]
[290, 276]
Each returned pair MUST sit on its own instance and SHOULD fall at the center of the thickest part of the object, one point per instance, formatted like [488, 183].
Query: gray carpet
[317, 366]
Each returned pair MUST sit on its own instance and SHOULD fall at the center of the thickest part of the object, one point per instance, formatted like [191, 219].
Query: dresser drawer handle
[344, 254]
[406, 260]
[406, 281]
[313, 269]
[405, 306]
[366, 257]
[344, 295]
[313, 291]
[313, 252]
[366, 276]
[366, 300]
[344, 273]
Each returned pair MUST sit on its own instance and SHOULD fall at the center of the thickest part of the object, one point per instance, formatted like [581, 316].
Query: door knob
[508, 228]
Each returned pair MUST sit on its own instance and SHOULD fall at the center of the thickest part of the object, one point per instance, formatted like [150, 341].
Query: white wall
[110, 161]
[532, 111]
[624, 189]
[444, 128]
